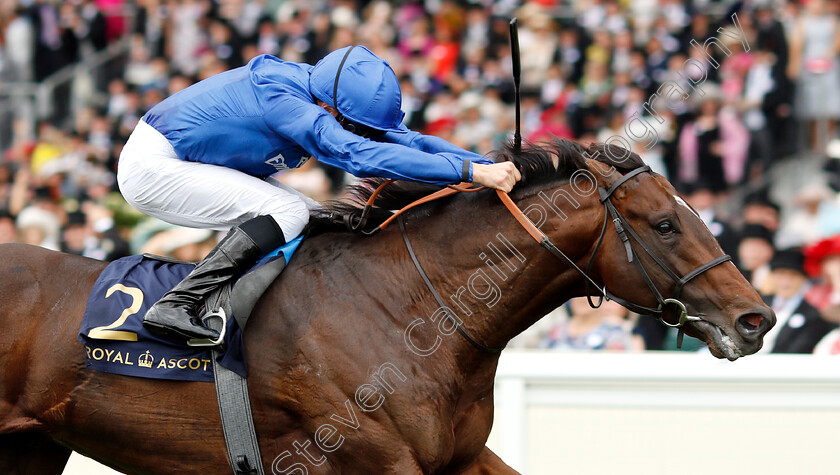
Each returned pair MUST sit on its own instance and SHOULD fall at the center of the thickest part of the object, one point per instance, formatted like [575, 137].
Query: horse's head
[646, 247]
[657, 253]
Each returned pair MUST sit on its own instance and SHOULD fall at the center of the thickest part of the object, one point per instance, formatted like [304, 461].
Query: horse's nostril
[750, 322]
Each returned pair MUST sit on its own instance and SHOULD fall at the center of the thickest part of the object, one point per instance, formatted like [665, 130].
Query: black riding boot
[244, 245]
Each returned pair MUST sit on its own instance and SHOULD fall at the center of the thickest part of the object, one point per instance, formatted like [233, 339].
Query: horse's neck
[492, 274]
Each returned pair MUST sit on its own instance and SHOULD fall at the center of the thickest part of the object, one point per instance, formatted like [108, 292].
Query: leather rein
[356, 223]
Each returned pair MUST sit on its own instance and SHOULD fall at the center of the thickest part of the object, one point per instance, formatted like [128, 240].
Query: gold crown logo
[145, 360]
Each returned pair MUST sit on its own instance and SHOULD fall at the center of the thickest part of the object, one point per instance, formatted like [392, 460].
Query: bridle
[622, 227]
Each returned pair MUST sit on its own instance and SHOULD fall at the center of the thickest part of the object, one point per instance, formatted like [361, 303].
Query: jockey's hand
[500, 176]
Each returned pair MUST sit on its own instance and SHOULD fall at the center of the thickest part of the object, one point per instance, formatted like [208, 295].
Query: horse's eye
[665, 228]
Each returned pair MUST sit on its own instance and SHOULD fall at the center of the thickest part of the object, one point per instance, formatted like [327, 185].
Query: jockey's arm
[484, 172]
[321, 135]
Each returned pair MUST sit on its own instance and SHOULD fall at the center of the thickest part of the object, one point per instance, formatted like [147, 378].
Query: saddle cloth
[116, 341]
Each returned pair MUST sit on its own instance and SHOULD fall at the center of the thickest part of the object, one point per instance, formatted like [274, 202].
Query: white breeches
[198, 195]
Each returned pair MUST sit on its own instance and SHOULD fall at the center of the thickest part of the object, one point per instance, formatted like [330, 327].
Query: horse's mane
[535, 161]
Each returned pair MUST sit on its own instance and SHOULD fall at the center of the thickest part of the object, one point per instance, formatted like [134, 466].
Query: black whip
[517, 73]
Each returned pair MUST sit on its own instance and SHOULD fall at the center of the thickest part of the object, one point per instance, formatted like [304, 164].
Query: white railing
[656, 412]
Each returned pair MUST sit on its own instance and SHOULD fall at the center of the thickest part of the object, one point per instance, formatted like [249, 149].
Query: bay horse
[354, 367]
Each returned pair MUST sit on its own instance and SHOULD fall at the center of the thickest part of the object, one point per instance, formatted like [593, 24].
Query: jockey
[200, 159]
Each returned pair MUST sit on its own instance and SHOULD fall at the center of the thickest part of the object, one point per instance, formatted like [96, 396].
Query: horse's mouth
[720, 344]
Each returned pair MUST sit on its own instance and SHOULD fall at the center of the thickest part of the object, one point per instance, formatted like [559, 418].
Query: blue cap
[365, 87]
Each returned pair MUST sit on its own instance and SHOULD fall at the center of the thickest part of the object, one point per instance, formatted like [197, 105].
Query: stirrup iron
[220, 314]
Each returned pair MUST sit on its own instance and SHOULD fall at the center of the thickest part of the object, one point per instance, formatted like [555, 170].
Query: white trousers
[155, 181]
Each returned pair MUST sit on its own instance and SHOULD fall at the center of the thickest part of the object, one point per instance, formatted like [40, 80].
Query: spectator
[777, 104]
[553, 126]
[758, 85]
[713, 145]
[755, 250]
[815, 42]
[6, 185]
[799, 325]
[188, 39]
[18, 35]
[539, 39]
[569, 54]
[75, 233]
[104, 241]
[816, 215]
[39, 227]
[8, 232]
[186, 244]
[91, 28]
[602, 328]
[55, 44]
[829, 344]
[760, 209]
[474, 130]
[822, 262]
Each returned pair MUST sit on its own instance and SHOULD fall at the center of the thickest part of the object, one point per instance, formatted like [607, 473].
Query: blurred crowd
[767, 93]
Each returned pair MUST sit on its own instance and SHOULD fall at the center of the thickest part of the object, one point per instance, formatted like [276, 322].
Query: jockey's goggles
[355, 127]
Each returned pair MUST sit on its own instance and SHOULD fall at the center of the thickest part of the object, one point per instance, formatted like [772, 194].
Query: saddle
[116, 341]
